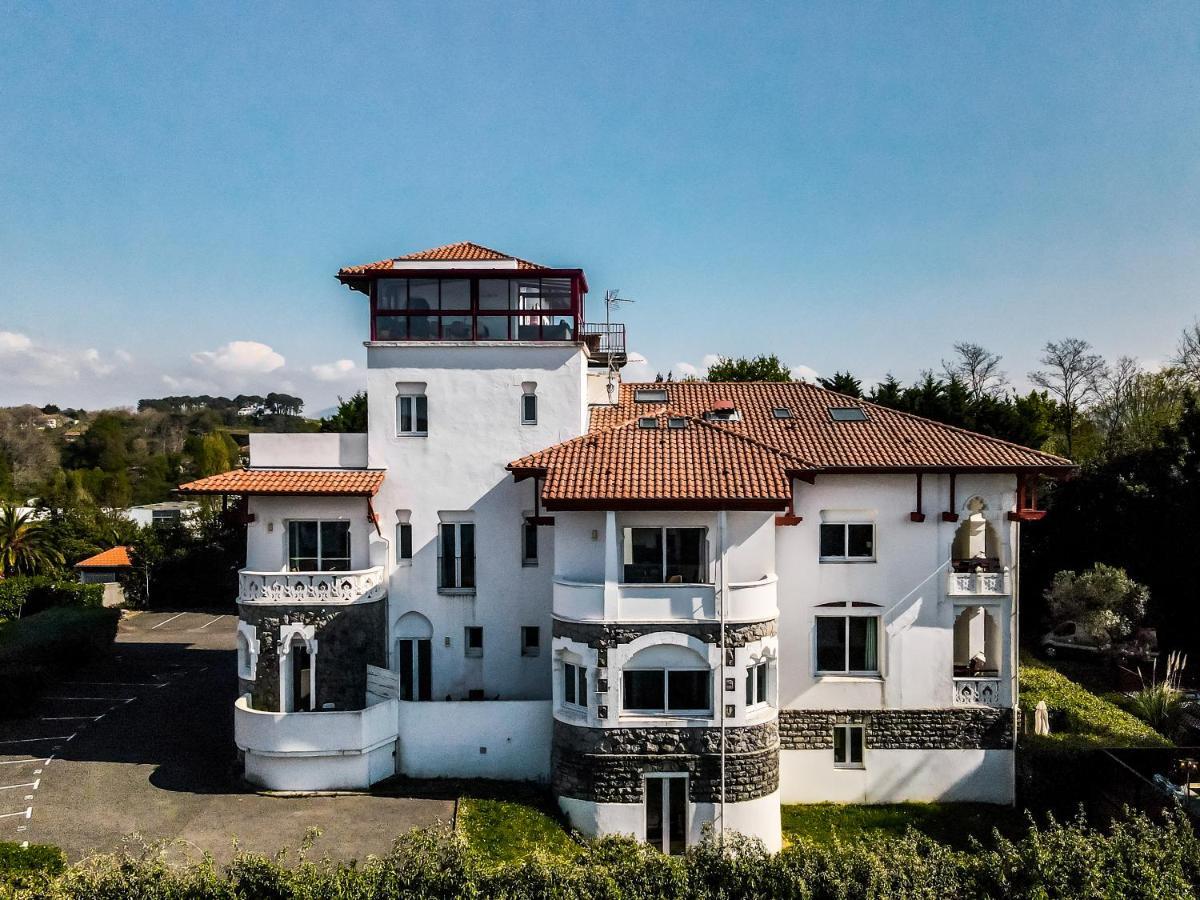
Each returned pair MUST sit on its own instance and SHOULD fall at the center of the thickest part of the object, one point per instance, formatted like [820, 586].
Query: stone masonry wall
[602, 635]
[966, 728]
[349, 638]
[608, 765]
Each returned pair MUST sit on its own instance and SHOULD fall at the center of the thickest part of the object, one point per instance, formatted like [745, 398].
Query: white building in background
[677, 604]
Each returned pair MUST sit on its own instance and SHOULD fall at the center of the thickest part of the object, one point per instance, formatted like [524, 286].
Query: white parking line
[70, 718]
[28, 814]
[29, 784]
[24, 762]
[217, 619]
[165, 621]
[60, 737]
[115, 683]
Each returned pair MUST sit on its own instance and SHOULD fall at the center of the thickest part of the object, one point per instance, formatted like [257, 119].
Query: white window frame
[468, 650]
[526, 559]
[247, 658]
[704, 565]
[402, 527]
[414, 402]
[667, 711]
[847, 614]
[457, 587]
[529, 398]
[845, 557]
[575, 673]
[849, 763]
[665, 811]
[320, 557]
[752, 685]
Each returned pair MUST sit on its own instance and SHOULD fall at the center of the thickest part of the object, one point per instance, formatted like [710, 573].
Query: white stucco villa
[676, 604]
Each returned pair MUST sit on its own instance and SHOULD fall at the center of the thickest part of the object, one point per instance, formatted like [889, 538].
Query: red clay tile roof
[462, 251]
[112, 558]
[285, 482]
[750, 459]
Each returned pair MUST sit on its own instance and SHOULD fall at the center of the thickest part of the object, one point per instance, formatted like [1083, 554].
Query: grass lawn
[952, 824]
[505, 831]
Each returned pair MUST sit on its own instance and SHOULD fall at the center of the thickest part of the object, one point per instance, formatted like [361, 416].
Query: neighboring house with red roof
[105, 568]
[677, 604]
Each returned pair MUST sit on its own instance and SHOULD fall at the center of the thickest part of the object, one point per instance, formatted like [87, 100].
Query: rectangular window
[756, 684]
[848, 743]
[529, 409]
[531, 640]
[575, 685]
[473, 640]
[529, 543]
[456, 556]
[665, 556]
[403, 542]
[412, 414]
[847, 541]
[848, 644]
[673, 691]
[318, 546]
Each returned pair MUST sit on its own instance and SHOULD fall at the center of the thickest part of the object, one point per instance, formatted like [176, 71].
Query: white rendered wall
[908, 581]
[267, 535]
[308, 451]
[444, 740]
[898, 776]
[458, 471]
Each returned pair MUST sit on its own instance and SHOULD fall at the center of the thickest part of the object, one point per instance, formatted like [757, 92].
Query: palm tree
[24, 544]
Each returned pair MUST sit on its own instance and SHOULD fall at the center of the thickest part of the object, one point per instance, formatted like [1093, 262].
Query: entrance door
[301, 663]
[666, 812]
[415, 657]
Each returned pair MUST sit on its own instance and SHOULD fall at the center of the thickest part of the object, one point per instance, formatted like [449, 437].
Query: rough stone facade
[607, 765]
[965, 728]
[598, 635]
[349, 638]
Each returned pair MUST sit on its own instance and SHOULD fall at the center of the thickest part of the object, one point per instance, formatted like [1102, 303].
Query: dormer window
[650, 395]
[847, 414]
[648, 422]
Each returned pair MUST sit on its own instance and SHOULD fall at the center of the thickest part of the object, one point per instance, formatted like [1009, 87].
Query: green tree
[843, 383]
[25, 544]
[1104, 601]
[214, 453]
[744, 368]
[351, 415]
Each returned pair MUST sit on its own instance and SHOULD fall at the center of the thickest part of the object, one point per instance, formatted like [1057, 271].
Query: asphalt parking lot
[142, 743]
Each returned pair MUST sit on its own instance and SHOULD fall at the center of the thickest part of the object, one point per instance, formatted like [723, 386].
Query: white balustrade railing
[362, 585]
[978, 584]
[978, 692]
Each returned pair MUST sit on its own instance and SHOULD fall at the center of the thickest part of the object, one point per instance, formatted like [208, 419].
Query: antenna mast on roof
[611, 302]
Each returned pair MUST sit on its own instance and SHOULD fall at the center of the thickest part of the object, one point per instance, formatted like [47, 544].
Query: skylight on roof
[647, 422]
[781, 412]
[650, 395]
[675, 422]
[847, 414]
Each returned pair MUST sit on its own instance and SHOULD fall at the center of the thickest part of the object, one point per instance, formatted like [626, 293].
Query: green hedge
[1135, 859]
[27, 595]
[33, 649]
[28, 866]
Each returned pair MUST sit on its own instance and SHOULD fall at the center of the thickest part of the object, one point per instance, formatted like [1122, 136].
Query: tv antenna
[612, 301]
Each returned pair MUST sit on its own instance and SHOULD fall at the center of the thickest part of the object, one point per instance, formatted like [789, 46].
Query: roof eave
[763, 504]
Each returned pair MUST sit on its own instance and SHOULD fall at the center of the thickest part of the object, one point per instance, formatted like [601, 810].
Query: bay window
[667, 691]
[848, 645]
[315, 546]
[456, 556]
[665, 556]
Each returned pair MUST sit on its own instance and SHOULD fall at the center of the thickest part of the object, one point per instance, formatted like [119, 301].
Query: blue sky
[851, 186]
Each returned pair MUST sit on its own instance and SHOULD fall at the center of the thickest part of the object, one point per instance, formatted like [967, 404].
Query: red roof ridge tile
[457, 251]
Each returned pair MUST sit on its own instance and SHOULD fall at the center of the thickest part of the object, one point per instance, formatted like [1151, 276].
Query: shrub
[35, 648]
[27, 595]
[1104, 600]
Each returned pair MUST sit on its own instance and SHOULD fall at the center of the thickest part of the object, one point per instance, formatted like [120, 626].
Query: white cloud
[241, 358]
[123, 356]
[685, 370]
[804, 373]
[186, 384]
[13, 342]
[28, 363]
[341, 370]
[91, 359]
[709, 360]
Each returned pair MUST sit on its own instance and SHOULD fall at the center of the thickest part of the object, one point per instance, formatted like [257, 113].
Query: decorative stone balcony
[979, 584]
[979, 692]
[360, 586]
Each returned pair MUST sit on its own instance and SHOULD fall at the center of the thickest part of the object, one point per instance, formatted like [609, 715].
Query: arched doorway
[413, 656]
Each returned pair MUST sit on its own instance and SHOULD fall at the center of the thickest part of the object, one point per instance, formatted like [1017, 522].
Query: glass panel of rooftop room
[665, 556]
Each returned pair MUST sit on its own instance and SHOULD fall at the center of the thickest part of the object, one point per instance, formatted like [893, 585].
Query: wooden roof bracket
[373, 517]
[918, 515]
[790, 517]
[537, 518]
[950, 515]
[1026, 511]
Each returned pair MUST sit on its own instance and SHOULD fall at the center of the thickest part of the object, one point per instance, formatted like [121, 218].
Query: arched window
[247, 651]
[976, 544]
[978, 642]
[667, 679]
[413, 656]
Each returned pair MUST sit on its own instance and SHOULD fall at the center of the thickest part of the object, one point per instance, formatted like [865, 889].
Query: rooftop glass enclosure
[476, 309]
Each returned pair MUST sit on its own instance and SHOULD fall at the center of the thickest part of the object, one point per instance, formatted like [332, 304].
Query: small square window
[677, 422]
[473, 640]
[848, 743]
[650, 395]
[647, 422]
[529, 409]
[847, 414]
[531, 640]
[781, 412]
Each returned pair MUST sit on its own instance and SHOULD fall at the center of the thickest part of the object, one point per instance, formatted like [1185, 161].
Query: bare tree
[1187, 351]
[1115, 390]
[977, 368]
[1073, 375]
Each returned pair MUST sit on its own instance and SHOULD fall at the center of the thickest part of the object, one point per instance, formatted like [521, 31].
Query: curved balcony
[325, 733]
[318, 588]
[750, 601]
